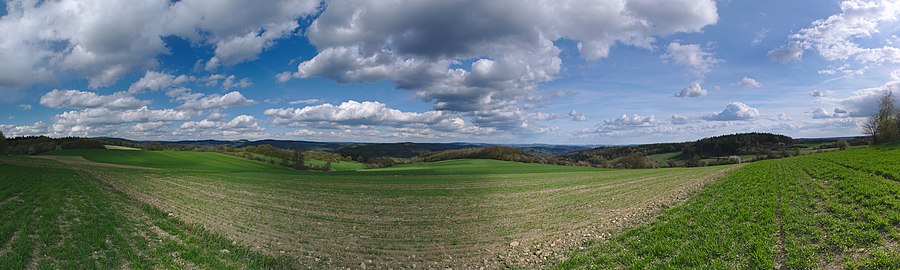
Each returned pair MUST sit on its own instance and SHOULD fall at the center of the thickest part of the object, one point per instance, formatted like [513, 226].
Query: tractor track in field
[79, 161]
[368, 235]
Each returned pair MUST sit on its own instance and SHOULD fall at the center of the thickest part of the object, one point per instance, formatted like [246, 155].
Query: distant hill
[488, 152]
[687, 153]
[398, 150]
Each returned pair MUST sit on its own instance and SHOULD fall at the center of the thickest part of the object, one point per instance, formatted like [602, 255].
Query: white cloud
[691, 56]
[693, 90]
[156, 81]
[106, 121]
[633, 120]
[748, 82]
[238, 31]
[821, 113]
[819, 93]
[513, 49]
[75, 99]
[577, 116]
[678, 119]
[104, 40]
[286, 76]
[735, 111]
[242, 126]
[37, 129]
[837, 37]
[25, 107]
[352, 113]
[304, 101]
[216, 101]
[230, 82]
[624, 122]
[786, 54]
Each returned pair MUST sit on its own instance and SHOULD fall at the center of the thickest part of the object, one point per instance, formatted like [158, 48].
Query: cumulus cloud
[75, 99]
[735, 111]
[36, 129]
[232, 82]
[156, 81]
[417, 45]
[822, 113]
[106, 121]
[819, 93]
[693, 90]
[25, 107]
[242, 126]
[577, 116]
[624, 122]
[216, 101]
[678, 119]
[836, 38]
[748, 82]
[239, 32]
[368, 113]
[691, 56]
[105, 40]
[304, 101]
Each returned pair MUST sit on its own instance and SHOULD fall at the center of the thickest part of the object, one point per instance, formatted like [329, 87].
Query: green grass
[172, 160]
[337, 166]
[838, 209]
[475, 167]
[664, 157]
[457, 213]
[59, 218]
[116, 147]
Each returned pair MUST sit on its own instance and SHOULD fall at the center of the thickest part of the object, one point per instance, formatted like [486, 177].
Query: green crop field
[457, 213]
[832, 210]
[161, 209]
[61, 218]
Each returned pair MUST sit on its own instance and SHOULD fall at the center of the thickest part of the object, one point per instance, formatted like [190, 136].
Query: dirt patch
[80, 161]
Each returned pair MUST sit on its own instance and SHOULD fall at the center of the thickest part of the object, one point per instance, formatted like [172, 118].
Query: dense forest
[708, 151]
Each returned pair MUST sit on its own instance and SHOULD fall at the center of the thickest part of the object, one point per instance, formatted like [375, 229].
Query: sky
[502, 71]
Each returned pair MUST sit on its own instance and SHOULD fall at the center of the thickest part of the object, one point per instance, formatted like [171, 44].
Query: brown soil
[79, 161]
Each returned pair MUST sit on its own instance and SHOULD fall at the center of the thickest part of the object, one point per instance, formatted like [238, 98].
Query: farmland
[456, 213]
[831, 210]
[188, 209]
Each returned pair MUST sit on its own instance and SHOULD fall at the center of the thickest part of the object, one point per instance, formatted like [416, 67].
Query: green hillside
[173, 160]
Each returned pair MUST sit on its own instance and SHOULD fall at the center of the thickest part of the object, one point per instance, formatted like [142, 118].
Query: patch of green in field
[833, 210]
[172, 160]
[337, 166]
[59, 218]
[475, 167]
[458, 213]
[664, 157]
[117, 147]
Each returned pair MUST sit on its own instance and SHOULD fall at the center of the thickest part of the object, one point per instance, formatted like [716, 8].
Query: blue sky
[562, 72]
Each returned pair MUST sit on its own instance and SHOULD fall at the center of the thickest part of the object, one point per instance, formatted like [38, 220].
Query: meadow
[824, 211]
[456, 213]
[163, 209]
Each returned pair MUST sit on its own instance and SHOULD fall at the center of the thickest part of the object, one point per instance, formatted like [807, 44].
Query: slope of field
[171, 160]
[335, 166]
[459, 213]
[59, 218]
[826, 211]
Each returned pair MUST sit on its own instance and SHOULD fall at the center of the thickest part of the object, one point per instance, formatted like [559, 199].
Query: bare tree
[870, 127]
[887, 122]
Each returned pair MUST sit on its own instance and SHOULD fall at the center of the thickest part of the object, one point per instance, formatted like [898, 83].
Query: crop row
[820, 211]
